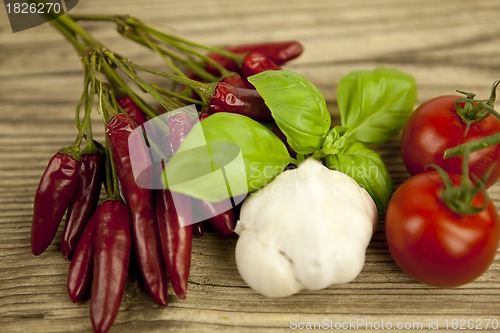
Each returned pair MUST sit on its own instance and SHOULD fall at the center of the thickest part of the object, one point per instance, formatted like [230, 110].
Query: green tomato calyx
[459, 198]
[471, 110]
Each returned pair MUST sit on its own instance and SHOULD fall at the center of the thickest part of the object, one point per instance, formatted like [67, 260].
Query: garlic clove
[264, 269]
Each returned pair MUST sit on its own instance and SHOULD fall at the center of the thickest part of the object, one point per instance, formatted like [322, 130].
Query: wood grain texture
[446, 45]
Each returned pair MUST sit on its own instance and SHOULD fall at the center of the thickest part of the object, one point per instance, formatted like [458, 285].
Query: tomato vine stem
[471, 110]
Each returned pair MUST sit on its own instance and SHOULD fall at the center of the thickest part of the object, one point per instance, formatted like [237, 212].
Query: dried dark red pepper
[132, 109]
[220, 214]
[85, 200]
[244, 101]
[53, 196]
[203, 115]
[279, 52]
[179, 125]
[80, 270]
[225, 221]
[225, 62]
[176, 233]
[142, 213]
[112, 246]
[255, 63]
[236, 81]
[175, 222]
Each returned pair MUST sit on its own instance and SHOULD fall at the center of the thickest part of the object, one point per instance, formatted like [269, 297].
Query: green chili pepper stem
[94, 69]
[94, 17]
[81, 50]
[70, 36]
[115, 194]
[82, 99]
[116, 79]
[130, 21]
[107, 109]
[87, 99]
[186, 45]
[67, 25]
[183, 48]
[91, 147]
[238, 58]
[112, 184]
[71, 25]
[84, 43]
[108, 160]
[176, 95]
[112, 99]
[146, 41]
[166, 55]
[124, 67]
[73, 151]
[205, 90]
[169, 57]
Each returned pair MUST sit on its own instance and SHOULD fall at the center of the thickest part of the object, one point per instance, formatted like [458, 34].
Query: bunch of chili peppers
[101, 230]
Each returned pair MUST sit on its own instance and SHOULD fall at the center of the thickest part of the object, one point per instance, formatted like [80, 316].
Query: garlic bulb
[307, 229]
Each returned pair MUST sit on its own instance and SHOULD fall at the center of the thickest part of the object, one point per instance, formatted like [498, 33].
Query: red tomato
[433, 244]
[434, 127]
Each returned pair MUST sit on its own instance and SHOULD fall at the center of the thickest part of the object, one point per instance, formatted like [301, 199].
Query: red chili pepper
[179, 125]
[53, 195]
[82, 264]
[225, 221]
[176, 233]
[143, 221]
[279, 52]
[237, 81]
[175, 222]
[255, 63]
[132, 109]
[84, 202]
[112, 245]
[225, 62]
[244, 101]
[203, 115]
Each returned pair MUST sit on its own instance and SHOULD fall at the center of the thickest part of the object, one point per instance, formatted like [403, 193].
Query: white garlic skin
[307, 229]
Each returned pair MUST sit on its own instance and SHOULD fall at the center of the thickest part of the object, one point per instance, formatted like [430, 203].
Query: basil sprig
[376, 104]
[297, 106]
[364, 165]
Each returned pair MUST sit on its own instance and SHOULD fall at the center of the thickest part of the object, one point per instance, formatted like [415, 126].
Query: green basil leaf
[367, 168]
[297, 106]
[226, 155]
[375, 105]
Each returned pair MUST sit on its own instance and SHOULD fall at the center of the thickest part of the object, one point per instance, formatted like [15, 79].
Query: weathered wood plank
[446, 45]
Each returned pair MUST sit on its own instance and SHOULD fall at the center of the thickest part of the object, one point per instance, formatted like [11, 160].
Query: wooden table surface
[445, 44]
